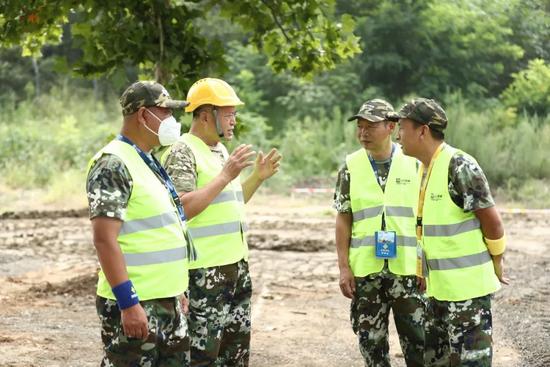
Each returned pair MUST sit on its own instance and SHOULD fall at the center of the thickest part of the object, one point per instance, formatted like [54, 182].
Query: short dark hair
[201, 108]
[436, 134]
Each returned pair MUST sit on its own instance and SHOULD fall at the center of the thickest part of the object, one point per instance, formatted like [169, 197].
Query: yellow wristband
[496, 247]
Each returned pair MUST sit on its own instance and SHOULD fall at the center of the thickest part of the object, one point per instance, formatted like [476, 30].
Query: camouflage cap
[425, 111]
[375, 110]
[147, 94]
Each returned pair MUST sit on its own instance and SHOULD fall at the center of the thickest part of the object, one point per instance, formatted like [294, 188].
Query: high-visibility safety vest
[218, 232]
[398, 202]
[459, 265]
[152, 236]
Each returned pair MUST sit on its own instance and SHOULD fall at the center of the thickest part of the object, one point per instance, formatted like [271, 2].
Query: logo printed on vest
[402, 181]
[436, 197]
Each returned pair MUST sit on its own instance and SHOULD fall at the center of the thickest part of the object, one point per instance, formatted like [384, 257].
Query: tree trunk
[36, 77]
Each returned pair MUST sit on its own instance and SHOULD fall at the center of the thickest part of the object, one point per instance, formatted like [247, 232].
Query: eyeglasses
[230, 116]
[227, 116]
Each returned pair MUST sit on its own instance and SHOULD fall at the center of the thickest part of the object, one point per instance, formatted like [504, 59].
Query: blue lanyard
[157, 168]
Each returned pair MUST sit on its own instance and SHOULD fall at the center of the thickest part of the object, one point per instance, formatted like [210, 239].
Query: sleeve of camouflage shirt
[109, 187]
[181, 167]
[468, 186]
[342, 202]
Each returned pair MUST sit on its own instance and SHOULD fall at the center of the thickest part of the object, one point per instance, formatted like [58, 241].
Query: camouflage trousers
[375, 295]
[166, 346]
[459, 333]
[219, 315]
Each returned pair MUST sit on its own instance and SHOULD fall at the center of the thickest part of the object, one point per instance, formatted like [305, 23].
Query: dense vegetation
[488, 62]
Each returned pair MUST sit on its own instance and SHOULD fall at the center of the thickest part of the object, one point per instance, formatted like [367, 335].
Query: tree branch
[276, 20]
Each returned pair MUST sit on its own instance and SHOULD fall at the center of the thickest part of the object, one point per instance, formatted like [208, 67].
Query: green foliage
[530, 89]
[44, 137]
[296, 66]
[470, 46]
[300, 36]
[529, 20]
[313, 149]
[432, 47]
[164, 40]
[33, 24]
[508, 147]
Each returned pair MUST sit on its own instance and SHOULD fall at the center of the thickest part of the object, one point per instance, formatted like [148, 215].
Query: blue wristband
[125, 294]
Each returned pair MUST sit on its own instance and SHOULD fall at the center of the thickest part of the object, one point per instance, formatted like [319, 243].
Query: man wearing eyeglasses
[376, 199]
[207, 179]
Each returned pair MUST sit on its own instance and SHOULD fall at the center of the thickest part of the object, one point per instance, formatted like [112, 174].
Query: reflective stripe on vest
[459, 266]
[369, 241]
[399, 211]
[367, 213]
[151, 237]
[448, 230]
[459, 262]
[156, 257]
[145, 224]
[368, 203]
[394, 211]
[228, 196]
[217, 229]
[218, 232]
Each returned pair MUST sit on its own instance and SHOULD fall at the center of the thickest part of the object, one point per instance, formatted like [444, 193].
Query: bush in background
[47, 142]
[43, 138]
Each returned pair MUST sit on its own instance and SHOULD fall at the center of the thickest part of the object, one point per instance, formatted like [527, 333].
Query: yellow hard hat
[211, 91]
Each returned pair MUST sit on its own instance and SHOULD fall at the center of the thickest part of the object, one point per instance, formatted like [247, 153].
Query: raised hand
[266, 166]
[237, 161]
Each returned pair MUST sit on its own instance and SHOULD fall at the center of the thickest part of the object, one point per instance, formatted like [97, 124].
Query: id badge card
[385, 244]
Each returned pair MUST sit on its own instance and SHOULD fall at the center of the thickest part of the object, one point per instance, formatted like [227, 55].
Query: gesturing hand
[237, 161]
[267, 166]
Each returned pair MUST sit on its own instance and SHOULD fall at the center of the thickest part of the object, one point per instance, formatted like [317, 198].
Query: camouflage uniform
[458, 333]
[377, 293]
[109, 186]
[220, 296]
[219, 315]
[167, 344]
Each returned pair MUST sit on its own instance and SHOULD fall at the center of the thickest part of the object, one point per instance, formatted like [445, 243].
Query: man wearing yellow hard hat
[207, 179]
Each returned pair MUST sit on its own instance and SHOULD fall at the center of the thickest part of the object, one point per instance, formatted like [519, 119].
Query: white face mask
[169, 130]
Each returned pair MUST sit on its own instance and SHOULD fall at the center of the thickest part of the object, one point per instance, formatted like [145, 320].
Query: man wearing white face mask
[207, 179]
[139, 232]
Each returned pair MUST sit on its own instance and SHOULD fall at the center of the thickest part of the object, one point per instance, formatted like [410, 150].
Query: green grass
[45, 145]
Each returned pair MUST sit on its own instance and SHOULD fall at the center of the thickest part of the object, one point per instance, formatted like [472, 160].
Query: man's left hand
[184, 304]
[498, 264]
[266, 166]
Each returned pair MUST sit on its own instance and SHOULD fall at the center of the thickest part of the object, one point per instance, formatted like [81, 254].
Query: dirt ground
[48, 273]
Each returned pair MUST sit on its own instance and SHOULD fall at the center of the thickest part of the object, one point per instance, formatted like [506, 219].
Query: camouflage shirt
[182, 167]
[468, 186]
[109, 187]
